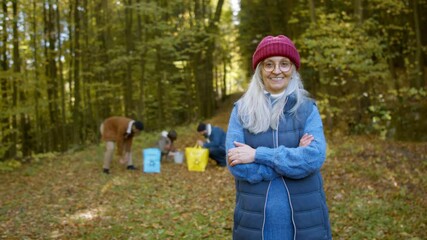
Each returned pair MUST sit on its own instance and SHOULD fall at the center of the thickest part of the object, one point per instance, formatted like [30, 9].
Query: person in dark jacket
[275, 149]
[215, 142]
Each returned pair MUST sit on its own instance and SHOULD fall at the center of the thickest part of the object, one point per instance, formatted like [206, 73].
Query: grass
[375, 190]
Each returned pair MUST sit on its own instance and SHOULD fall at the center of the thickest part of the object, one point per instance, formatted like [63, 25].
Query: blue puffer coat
[279, 159]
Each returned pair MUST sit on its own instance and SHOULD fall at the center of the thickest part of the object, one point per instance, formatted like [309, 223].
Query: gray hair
[254, 106]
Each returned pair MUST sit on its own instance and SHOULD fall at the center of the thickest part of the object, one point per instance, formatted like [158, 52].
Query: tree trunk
[14, 137]
[141, 36]
[52, 76]
[363, 102]
[197, 65]
[77, 118]
[161, 72]
[127, 91]
[203, 61]
[24, 120]
[71, 61]
[89, 122]
[213, 31]
[37, 139]
[6, 137]
[312, 11]
[419, 73]
[358, 11]
[224, 79]
[63, 122]
[104, 37]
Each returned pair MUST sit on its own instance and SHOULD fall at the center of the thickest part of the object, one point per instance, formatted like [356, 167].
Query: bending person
[120, 131]
[215, 142]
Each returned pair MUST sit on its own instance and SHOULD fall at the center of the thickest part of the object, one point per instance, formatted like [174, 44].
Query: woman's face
[276, 73]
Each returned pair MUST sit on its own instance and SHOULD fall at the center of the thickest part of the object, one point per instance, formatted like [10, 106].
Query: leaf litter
[375, 189]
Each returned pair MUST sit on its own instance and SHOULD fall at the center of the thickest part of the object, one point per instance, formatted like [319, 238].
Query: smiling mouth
[277, 78]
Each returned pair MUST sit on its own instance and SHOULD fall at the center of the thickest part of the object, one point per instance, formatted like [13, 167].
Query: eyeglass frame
[275, 65]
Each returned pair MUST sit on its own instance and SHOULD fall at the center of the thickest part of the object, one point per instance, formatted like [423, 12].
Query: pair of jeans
[218, 154]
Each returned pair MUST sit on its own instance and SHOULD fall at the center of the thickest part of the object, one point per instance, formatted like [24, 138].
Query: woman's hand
[306, 140]
[241, 154]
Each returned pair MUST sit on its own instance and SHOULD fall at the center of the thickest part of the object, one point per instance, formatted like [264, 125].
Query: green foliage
[343, 52]
[169, 62]
[351, 58]
[353, 72]
[123, 63]
[407, 118]
[381, 118]
[9, 165]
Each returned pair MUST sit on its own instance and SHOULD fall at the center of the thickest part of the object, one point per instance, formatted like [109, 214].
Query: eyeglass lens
[283, 66]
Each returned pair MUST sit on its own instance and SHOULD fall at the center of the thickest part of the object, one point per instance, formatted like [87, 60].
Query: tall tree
[104, 40]
[418, 80]
[6, 136]
[24, 118]
[213, 31]
[203, 59]
[141, 35]
[77, 114]
[127, 86]
[63, 120]
[90, 115]
[51, 74]
[358, 11]
[16, 70]
[37, 139]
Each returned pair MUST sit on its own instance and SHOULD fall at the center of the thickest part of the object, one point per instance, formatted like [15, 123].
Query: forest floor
[375, 189]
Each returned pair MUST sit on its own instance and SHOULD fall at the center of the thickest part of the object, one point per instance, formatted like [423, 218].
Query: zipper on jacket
[265, 207]
[276, 143]
[292, 209]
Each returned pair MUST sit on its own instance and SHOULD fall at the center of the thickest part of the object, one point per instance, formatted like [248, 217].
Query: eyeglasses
[269, 66]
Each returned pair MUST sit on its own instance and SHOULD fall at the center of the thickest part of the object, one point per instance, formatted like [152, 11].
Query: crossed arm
[262, 163]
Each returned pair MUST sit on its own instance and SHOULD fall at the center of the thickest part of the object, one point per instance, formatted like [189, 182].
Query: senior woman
[275, 149]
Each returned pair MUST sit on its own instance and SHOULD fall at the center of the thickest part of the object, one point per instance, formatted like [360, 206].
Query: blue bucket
[151, 160]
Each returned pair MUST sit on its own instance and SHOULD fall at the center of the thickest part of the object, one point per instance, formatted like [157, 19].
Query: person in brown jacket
[120, 131]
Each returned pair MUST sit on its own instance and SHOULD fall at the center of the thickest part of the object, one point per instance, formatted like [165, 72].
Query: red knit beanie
[276, 46]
